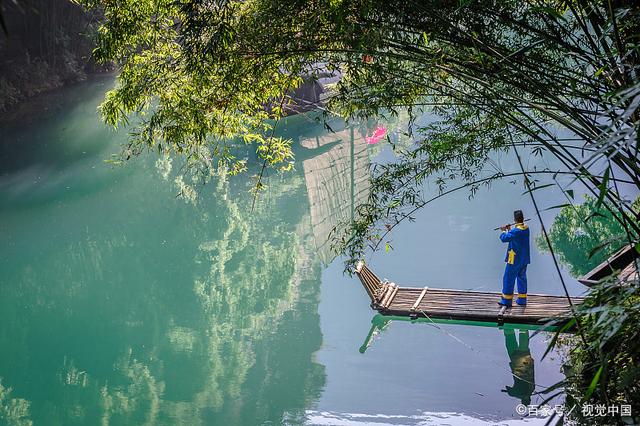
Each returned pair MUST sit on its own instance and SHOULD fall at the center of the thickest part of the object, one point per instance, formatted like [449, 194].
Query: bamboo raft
[391, 300]
[622, 262]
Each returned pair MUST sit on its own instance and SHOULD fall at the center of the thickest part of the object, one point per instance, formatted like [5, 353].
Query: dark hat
[518, 216]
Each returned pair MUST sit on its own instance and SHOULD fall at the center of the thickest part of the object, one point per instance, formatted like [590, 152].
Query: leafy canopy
[561, 77]
[203, 78]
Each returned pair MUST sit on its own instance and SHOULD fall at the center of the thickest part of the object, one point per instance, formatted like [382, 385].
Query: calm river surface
[122, 304]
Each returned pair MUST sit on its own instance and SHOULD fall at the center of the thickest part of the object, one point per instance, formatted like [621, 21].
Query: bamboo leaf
[425, 38]
[554, 339]
[535, 188]
[594, 383]
[593, 214]
[553, 387]
[553, 416]
[549, 11]
[559, 206]
[550, 397]
[598, 248]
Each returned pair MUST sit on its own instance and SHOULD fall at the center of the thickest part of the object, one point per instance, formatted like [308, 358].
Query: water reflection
[123, 306]
[13, 411]
[378, 324]
[578, 230]
[521, 364]
[187, 318]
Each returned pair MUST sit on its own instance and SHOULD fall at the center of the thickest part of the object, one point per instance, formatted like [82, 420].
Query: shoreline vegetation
[46, 46]
[543, 77]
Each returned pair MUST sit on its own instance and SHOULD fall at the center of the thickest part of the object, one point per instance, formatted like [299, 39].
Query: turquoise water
[122, 304]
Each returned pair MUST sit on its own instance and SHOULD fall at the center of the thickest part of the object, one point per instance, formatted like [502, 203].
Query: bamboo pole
[415, 305]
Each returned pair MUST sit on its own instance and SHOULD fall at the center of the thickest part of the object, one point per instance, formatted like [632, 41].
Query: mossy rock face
[46, 45]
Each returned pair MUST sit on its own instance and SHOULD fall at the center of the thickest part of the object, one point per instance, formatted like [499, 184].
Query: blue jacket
[518, 253]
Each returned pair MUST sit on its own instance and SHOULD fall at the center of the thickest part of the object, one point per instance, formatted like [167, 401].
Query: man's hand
[505, 228]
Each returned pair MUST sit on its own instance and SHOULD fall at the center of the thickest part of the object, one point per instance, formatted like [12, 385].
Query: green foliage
[189, 77]
[606, 369]
[205, 74]
[276, 151]
[603, 363]
[584, 236]
[202, 77]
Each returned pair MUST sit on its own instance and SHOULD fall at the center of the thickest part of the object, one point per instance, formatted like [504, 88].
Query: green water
[122, 304]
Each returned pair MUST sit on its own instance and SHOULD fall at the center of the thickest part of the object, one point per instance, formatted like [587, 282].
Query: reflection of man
[521, 365]
[517, 259]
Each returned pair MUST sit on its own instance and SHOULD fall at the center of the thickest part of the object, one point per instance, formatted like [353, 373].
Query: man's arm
[506, 236]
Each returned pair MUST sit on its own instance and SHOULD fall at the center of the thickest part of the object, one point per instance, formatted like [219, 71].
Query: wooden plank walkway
[390, 299]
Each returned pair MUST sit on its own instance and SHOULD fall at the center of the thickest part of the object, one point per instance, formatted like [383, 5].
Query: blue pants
[511, 275]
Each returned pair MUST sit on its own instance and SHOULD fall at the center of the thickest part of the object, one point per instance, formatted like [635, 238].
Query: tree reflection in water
[584, 236]
[111, 329]
[124, 307]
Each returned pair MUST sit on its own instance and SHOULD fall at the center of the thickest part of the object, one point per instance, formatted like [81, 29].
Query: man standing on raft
[517, 259]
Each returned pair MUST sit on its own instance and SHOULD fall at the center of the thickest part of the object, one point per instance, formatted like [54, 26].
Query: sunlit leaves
[276, 151]
[192, 82]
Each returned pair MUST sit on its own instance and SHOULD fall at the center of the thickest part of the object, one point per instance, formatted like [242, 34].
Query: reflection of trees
[252, 281]
[144, 358]
[580, 229]
[13, 411]
[140, 395]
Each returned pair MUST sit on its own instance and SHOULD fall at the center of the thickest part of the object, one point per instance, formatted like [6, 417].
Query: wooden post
[415, 305]
[390, 289]
[393, 295]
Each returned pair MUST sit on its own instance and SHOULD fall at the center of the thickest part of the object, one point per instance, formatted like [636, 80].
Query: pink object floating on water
[376, 136]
